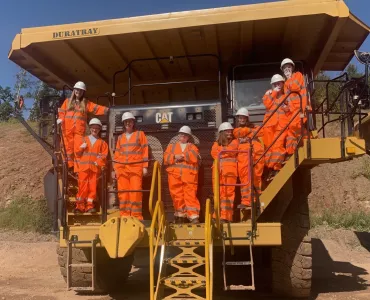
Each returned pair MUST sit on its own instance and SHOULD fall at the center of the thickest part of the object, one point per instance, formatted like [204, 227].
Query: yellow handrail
[208, 239]
[155, 174]
[158, 222]
[216, 191]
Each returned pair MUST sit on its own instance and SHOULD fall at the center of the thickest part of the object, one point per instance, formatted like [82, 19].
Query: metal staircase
[185, 270]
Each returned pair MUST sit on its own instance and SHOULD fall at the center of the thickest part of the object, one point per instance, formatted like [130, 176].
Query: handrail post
[206, 250]
[154, 177]
[216, 184]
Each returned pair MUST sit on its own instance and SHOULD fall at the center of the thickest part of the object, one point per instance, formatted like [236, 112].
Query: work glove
[83, 146]
[95, 163]
[277, 89]
[145, 171]
[59, 121]
[269, 92]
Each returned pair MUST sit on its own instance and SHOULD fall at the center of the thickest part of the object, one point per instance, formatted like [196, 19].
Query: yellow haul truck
[195, 68]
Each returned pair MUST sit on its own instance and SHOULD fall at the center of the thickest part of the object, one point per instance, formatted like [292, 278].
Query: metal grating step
[187, 243]
[240, 288]
[184, 280]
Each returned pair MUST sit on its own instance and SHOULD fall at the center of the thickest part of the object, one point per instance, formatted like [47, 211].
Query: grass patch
[26, 214]
[355, 220]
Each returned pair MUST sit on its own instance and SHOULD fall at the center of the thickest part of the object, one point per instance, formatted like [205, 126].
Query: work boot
[194, 221]
[180, 220]
[91, 210]
[77, 211]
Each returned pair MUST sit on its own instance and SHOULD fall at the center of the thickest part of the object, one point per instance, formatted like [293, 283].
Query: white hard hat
[185, 129]
[127, 116]
[225, 126]
[80, 85]
[242, 112]
[286, 61]
[95, 121]
[277, 78]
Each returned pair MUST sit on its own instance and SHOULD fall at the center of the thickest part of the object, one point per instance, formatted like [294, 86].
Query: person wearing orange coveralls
[182, 160]
[294, 83]
[92, 157]
[244, 132]
[131, 164]
[72, 116]
[228, 169]
[275, 125]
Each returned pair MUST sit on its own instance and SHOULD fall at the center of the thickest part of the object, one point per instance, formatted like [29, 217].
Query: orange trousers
[87, 186]
[268, 135]
[227, 196]
[184, 197]
[130, 203]
[71, 141]
[294, 134]
[244, 177]
[276, 155]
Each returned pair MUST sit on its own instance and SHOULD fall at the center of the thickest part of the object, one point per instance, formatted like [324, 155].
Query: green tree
[6, 108]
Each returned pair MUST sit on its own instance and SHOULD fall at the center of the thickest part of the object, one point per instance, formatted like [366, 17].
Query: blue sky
[30, 13]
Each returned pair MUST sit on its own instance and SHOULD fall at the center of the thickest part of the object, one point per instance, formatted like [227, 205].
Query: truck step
[240, 288]
[201, 225]
[86, 265]
[82, 289]
[186, 261]
[184, 280]
[187, 243]
[238, 263]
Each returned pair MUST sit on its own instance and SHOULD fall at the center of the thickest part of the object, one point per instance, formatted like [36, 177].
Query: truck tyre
[110, 275]
[292, 262]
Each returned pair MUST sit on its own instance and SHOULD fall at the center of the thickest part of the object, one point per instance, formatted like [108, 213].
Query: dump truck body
[195, 68]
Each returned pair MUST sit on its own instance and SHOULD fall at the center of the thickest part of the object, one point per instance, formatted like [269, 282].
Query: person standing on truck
[294, 83]
[228, 169]
[92, 157]
[72, 116]
[182, 161]
[244, 132]
[130, 165]
[274, 126]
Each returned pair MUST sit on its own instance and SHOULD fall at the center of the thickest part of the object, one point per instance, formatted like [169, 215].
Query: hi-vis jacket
[92, 158]
[130, 151]
[228, 160]
[296, 84]
[74, 121]
[280, 117]
[187, 169]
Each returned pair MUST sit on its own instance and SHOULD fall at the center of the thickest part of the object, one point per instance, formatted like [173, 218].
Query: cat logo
[165, 117]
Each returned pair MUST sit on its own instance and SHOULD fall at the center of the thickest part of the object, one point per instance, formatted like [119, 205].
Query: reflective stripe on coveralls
[183, 179]
[228, 175]
[129, 176]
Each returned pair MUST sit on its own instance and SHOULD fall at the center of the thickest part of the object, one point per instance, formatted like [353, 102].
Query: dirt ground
[29, 270]
[24, 164]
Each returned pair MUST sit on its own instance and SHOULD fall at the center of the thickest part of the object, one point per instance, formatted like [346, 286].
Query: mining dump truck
[194, 68]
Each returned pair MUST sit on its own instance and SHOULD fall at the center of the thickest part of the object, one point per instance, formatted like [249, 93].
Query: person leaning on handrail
[228, 169]
[295, 83]
[244, 131]
[91, 155]
[182, 161]
[274, 126]
[132, 146]
[72, 116]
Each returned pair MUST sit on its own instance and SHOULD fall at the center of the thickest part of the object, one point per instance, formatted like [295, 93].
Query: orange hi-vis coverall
[244, 163]
[90, 160]
[130, 176]
[228, 175]
[276, 154]
[296, 84]
[183, 179]
[74, 126]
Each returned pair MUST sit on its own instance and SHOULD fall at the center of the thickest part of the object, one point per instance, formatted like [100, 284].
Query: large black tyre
[292, 262]
[111, 273]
